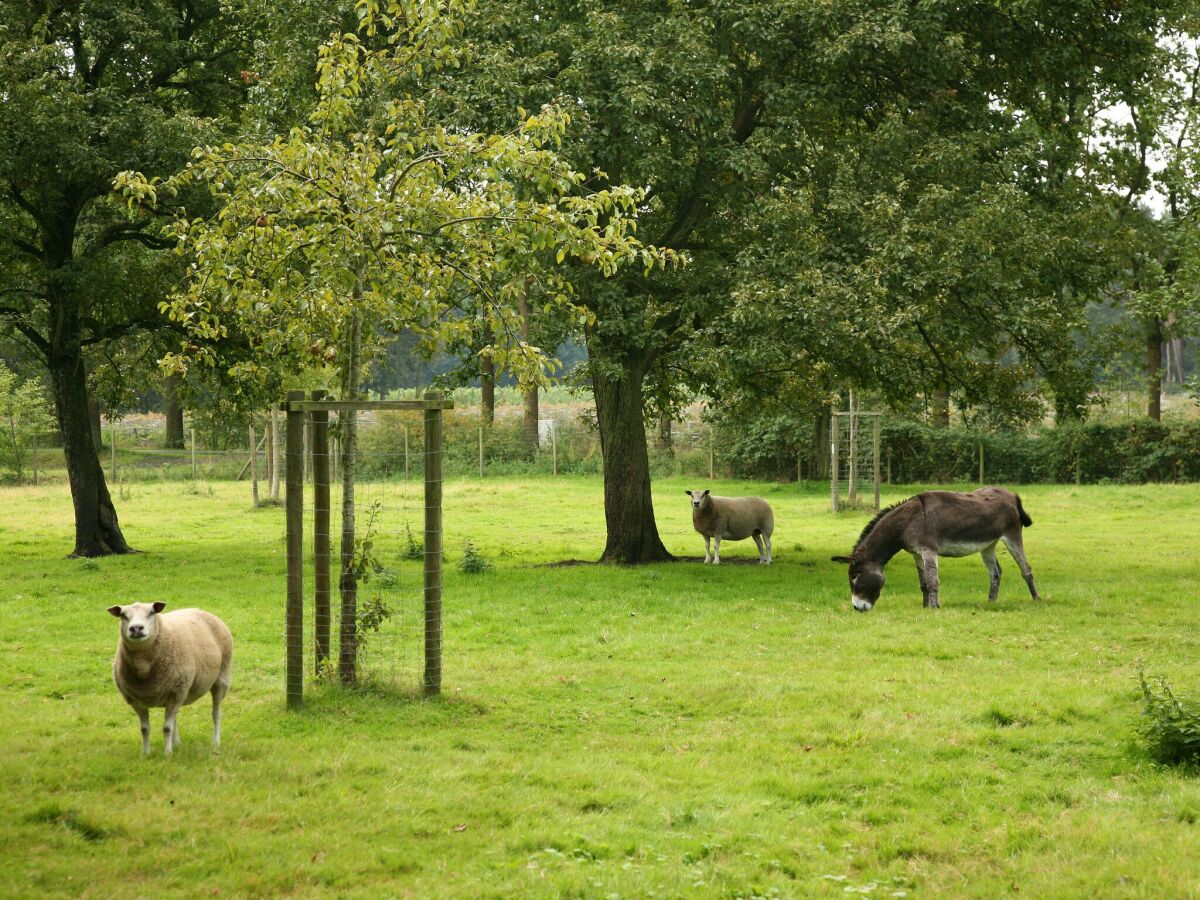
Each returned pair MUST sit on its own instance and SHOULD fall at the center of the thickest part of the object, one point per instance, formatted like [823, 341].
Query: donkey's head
[866, 581]
[700, 499]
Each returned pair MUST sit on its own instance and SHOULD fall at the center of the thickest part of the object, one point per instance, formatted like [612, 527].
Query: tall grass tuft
[1171, 728]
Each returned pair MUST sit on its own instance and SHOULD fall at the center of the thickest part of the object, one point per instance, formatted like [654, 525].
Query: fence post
[480, 451]
[295, 552]
[981, 462]
[433, 546]
[112, 442]
[35, 459]
[554, 444]
[833, 460]
[711, 440]
[875, 458]
[320, 467]
[406, 453]
[193, 454]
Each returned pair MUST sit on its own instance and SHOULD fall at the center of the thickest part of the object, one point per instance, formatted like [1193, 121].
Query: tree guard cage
[854, 457]
[369, 552]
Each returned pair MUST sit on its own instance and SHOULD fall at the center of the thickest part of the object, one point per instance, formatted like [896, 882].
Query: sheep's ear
[114, 610]
[706, 492]
[159, 606]
[841, 559]
[689, 493]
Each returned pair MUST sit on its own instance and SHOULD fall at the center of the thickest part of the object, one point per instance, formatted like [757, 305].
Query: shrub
[1171, 728]
[473, 562]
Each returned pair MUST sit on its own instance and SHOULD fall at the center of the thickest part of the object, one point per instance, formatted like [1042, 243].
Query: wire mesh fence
[854, 459]
[364, 525]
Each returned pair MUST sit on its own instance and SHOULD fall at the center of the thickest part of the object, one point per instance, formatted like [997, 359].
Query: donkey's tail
[1025, 520]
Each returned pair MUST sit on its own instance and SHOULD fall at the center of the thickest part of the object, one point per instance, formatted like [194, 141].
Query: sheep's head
[700, 499]
[139, 621]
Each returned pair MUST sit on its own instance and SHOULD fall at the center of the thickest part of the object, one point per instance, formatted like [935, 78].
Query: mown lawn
[670, 730]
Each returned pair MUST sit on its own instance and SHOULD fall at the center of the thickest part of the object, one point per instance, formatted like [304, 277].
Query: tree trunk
[628, 506]
[1154, 338]
[348, 580]
[174, 411]
[940, 415]
[273, 451]
[97, 531]
[665, 440]
[821, 440]
[487, 384]
[93, 408]
[529, 424]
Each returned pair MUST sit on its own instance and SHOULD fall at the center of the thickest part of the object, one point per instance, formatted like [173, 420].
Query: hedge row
[913, 452]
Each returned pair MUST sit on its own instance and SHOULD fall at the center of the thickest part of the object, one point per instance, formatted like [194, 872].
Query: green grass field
[664, 731]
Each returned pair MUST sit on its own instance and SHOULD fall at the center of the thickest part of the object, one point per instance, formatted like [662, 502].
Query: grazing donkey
[732, 519]
[933, 524]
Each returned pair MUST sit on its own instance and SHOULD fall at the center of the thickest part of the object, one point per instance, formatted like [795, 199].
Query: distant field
[669, 730]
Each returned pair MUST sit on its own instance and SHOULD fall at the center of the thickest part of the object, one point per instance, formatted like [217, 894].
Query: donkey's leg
[929, 557]
[762, 553]
[1017, 548]
[717, 550]
[707, 548]
[993, 567]
[921, 577]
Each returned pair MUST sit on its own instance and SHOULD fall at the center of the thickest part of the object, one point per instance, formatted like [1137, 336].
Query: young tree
[23, 416]
[372, 216]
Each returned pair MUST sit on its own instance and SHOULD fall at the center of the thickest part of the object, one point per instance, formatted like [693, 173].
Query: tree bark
[97, 531]
[487, 384]
[174, 411]
[628, 506]
[665, 440]
[530, 421]
[1154, 340]
[93, 406]
[348, 580]
[940, 402]
[821, 440]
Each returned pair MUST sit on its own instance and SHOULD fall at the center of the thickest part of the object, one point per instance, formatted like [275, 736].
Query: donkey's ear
[114, 610]
[841, 559]
[159, 606]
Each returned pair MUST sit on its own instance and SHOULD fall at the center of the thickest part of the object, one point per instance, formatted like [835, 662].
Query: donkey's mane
[875, 521]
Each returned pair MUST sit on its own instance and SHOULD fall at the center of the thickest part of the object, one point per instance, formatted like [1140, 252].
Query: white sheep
[733, 519]
[171, 660]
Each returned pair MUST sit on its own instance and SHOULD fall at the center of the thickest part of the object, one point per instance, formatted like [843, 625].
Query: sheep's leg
[993, 567]
[767, 541]
[707, 548]
[717, 550]
[170, 733]
[220, 689]
[758, 542]
[143, 715]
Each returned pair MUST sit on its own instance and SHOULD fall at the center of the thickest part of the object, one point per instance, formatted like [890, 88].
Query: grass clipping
[1171, 728]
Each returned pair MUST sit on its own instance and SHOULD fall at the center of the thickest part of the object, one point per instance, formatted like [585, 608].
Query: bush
[473, 562]
[1172, 728]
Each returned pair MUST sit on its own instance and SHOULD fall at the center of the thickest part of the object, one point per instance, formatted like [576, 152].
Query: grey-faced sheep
[170, 660]
[733, 519]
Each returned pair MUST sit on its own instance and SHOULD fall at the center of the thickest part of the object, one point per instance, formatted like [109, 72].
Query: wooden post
[254, 466]
[433, 547]
[193, 454]
[711, 440]
[112, 441]
[268, 461]
[554, 445]
[35, 460]
[274, 453]
[981, 462]
[480, 451]
[852, 461]
[875, 457]
[321, 611]
[833, 460]
[406, 453]
[295, 553]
